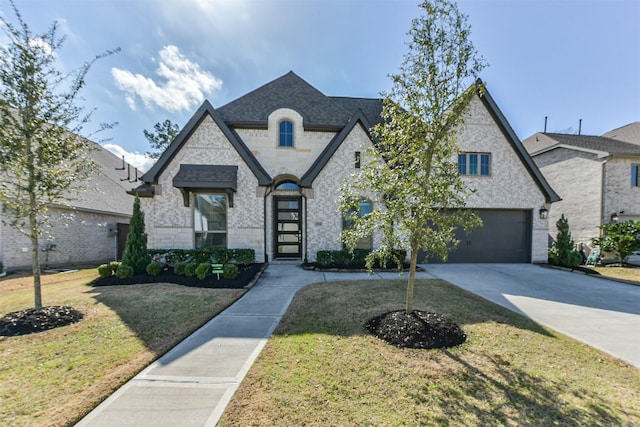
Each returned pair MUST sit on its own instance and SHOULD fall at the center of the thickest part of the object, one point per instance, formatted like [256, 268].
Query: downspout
[602, 196]
[264, 199]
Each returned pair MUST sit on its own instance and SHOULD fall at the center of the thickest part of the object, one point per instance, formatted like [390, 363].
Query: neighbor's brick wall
[619, 194]
[83, 239]
[577, 178]
[509, 186]
[170, 224]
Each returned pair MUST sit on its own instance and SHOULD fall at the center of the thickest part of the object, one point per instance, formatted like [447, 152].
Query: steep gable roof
[324, 157]
[289, 91]
[629, 133]
[516, 144]
[590, 142]
[206, 109]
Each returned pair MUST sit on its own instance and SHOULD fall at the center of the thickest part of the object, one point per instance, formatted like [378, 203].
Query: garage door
[504, 237]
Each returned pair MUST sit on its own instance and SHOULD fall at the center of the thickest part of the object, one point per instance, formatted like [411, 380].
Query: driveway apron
[602, 313]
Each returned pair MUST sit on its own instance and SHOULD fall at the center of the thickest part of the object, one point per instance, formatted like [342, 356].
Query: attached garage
[505, 237]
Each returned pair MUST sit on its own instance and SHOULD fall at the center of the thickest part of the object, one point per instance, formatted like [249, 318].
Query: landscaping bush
[124, 271]
[104, 271]
[244, 256]
[1, 267]
[323, 258]
[562, 252]
[135, 252]
[154, 268]
[190, 269]
[203, 270]
[230, 271]
[179, 268]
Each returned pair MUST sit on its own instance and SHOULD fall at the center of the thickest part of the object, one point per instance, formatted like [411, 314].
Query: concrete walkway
[192, 384]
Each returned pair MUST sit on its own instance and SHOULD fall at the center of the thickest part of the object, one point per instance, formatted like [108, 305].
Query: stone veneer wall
[170, 224]
[509, 185]
[83, 239]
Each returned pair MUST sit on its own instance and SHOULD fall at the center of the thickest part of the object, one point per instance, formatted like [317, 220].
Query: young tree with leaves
[164, 133]
[417, 187]
[620, 237]
[136, 254]
[42, 159]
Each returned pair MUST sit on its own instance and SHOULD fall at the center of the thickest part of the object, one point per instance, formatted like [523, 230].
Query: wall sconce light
[544, 213]
[614, 217]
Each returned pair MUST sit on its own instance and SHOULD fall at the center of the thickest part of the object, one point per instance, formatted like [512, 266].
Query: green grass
[322, 368]
[629, 275]
[57, 376]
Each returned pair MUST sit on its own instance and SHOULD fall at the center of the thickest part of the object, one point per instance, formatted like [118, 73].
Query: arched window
[287, 185]
[286, 134]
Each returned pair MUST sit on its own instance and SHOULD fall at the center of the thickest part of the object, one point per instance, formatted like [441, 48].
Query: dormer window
[286, 134]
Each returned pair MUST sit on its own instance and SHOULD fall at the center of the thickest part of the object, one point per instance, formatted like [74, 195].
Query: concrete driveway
[602, 313]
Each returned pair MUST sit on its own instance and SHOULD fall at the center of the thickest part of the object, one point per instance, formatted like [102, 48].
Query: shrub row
[189, 269]
[357, 258]
[205, 255]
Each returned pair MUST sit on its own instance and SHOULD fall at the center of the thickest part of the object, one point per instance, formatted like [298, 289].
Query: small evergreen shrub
[230, 271]
[124, 271]
[1, 267]
[154, 268]
[190, 269]
[323, 258]
[562, 252]
[244, 256]
[203, 270]
[104, 271]
[179, 268]
[136, 254]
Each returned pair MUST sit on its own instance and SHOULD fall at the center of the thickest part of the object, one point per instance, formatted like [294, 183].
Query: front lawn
[57, 376]
[629, 274]
[322, 368]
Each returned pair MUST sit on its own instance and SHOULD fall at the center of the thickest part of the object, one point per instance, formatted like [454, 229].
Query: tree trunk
[35, 257]
[412, 277]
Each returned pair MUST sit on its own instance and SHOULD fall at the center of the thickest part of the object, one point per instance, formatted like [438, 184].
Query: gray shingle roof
[206, 176]
[289, 91]
[598, 143]
[370, 107]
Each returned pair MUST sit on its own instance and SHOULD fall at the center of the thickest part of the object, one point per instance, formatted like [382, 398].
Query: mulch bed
[37, 320]
[420, 329]
[247, 274]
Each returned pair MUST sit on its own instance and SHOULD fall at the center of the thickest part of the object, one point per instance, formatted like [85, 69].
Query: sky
[568, 60]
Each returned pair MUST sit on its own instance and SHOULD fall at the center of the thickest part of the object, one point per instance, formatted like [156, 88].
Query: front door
[288, 227]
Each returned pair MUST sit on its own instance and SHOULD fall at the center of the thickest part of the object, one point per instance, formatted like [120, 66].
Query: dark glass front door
[288, 227]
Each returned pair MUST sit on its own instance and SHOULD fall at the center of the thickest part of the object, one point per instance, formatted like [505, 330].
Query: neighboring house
[629, 133]
[264, 172]
[597, 178]
[89, 232]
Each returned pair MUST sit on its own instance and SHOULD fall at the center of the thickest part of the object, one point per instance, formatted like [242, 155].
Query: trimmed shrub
[230, 271]
[1, 267]
[203, 270]
[104, 271]
[244, 256]
[190, 269]
[154, 268]
[135, 252]
[562, 252]
[323, 258]
[124, 271]
[180, 268]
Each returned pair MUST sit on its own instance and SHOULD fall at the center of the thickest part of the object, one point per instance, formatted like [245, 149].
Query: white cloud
[140, 161]
[184, 83]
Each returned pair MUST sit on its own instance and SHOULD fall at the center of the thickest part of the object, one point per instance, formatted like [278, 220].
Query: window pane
[484, 164]
[288, 185]
[210, 212]
[473, 164]
[286, 134]
[462, 164]
[635, 179]
[365, 208]
[288, 204]
[207, 240]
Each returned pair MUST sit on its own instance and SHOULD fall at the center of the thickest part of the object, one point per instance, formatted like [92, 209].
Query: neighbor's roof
[629, 133]
[590, 142]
